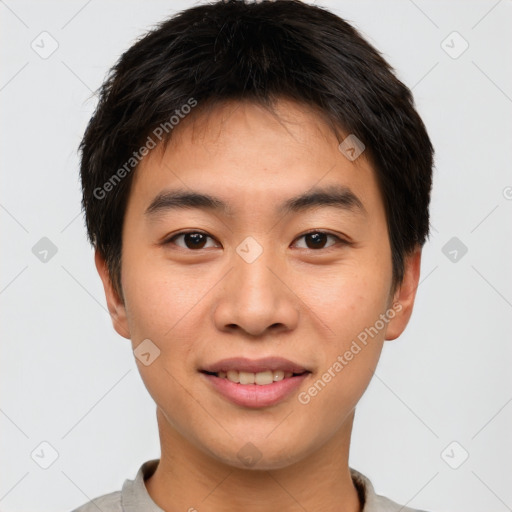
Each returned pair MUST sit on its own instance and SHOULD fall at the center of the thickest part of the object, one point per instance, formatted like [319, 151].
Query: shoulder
[110, 502]
[383, 504]
[375, 502]
[133, 497]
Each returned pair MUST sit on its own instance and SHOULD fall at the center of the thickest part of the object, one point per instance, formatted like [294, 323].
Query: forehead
[247, 155]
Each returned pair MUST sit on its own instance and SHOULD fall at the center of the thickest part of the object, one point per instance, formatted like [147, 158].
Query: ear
[116, 307]
[405, 294]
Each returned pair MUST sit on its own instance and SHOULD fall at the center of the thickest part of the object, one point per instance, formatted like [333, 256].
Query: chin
[259, 455]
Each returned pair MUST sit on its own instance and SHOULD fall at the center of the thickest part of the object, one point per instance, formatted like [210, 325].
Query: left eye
[318, 240]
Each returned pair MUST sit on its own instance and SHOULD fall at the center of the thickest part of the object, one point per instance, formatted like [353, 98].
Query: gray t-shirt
[134, 496]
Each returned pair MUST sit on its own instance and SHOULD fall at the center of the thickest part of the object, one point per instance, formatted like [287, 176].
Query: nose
[255, 297]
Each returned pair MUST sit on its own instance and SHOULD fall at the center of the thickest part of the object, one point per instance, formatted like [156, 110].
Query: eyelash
[339, 240]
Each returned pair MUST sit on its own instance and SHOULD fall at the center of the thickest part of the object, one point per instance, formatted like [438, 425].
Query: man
[256, 184]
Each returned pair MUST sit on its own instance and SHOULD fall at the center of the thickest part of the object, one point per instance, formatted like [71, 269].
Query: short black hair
[261, 52]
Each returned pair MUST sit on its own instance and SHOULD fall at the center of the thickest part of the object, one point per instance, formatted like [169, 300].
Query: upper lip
[255, 365]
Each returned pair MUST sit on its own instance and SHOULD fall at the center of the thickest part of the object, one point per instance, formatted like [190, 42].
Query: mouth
[263, 378]
[255, 383]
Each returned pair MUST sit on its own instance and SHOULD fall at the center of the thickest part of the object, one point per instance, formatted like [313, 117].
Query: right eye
[192, 240]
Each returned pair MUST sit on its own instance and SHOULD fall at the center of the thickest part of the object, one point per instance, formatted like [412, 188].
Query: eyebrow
[336, 196]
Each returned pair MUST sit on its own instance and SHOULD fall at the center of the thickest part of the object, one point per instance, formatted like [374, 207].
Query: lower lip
[255, 395]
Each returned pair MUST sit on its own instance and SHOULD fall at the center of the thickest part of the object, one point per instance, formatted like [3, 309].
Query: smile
[255, 383]
[260, 378]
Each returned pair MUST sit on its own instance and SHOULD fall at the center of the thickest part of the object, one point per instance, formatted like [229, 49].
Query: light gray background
[68, 379]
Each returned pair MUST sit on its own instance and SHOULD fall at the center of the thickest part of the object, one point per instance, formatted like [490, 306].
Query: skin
[305, 304]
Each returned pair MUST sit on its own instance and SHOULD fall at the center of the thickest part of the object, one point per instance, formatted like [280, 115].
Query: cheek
[347, 299]
[160, 307]
[166, 306]
[158, 297]
[350, 304]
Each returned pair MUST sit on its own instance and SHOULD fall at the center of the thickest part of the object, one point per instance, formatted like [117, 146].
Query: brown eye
[318, 240]
[195, 240]
[315, 240]
[191, 240]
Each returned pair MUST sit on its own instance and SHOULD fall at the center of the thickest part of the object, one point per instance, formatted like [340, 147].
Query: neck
[188, 479]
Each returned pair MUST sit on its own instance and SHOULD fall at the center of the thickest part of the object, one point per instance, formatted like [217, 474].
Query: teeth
[260, 378]
[246, 378]
[264, 378]
[232, 376]
[278, 375]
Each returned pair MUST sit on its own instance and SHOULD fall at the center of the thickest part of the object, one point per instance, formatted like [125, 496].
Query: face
[255, 250]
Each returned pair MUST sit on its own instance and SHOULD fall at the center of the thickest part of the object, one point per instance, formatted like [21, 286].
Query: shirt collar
[135, 497]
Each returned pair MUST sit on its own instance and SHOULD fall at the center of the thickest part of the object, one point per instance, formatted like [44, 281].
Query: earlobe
[405, 295]
[116, 307]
